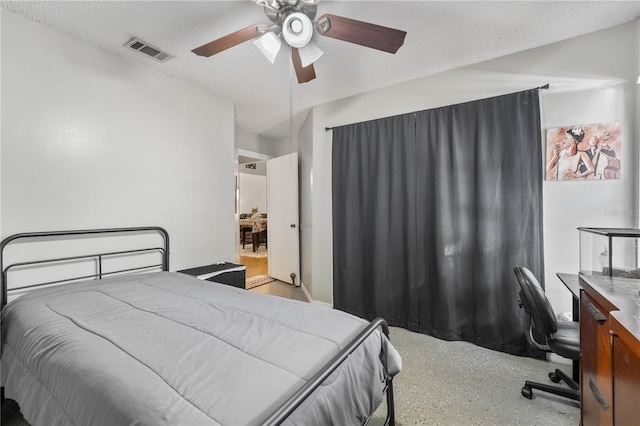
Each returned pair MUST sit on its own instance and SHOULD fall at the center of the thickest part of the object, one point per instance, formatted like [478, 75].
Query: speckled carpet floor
[458, 383]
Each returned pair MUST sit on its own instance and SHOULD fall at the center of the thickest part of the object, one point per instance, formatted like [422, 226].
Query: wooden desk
[609, 350]
[572, 282]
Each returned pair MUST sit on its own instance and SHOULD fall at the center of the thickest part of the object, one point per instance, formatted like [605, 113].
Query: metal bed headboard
[164, 251]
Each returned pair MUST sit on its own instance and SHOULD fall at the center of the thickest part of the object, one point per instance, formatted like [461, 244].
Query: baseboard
[325, 304]
[310, 299]
[306, 293]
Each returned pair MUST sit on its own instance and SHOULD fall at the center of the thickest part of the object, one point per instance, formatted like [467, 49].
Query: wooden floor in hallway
[260, 266]
[255, 265]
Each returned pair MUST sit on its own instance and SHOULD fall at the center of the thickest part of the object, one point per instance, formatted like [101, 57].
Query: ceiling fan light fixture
[295, 22]
[269, 44]
[297, 29]
[309, 54]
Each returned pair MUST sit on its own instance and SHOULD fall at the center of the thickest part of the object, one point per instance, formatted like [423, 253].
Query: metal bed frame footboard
[281, 414]
[164, 250]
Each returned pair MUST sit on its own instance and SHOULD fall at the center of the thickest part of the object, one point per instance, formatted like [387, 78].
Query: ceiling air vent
[143, 47]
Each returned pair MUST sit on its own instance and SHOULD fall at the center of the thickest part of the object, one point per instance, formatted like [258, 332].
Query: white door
[283, 233]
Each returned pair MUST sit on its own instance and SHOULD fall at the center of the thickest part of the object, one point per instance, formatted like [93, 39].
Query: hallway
[260, 266]
[255, 266]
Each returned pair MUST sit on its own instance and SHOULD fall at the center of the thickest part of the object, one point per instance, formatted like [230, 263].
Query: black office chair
[561, 337]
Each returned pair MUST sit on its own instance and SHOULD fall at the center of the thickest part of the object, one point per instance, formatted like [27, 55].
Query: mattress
[169, 349]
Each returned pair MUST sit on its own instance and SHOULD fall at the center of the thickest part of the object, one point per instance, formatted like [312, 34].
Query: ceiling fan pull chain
[291, 70]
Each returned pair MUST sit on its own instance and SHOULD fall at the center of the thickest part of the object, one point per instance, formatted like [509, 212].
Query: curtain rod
[545, 87]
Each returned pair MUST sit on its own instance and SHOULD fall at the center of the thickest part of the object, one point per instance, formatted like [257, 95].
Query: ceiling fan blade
[362, 33]
[304, 74]
[228, 41]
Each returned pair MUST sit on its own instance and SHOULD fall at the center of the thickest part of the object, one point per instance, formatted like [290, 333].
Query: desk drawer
[595, 360]
[626, 377]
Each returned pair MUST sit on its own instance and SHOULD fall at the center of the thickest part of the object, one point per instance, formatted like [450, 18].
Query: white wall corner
[310, 299]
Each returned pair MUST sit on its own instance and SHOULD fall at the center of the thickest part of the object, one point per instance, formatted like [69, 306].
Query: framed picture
[584, 152]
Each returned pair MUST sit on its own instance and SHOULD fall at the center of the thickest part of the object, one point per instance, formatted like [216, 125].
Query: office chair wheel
[527, 392]
[554, 377]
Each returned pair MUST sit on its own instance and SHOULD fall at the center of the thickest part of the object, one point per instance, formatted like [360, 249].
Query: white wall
[90, 140]
[1, 38]
[585, 88]
[253, 192]
[287, 145]
[249, 141]
[637, 115]
[568, 205]
[305, 155]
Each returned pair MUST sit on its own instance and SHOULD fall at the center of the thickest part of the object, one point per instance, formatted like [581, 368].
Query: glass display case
[611, 252]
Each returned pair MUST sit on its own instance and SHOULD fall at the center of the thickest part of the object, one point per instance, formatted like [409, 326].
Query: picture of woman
[584, 152]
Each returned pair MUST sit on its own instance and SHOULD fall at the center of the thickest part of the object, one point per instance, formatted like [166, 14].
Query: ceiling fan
[293, 21]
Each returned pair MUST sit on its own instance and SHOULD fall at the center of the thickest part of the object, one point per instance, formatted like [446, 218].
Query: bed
[142, 345]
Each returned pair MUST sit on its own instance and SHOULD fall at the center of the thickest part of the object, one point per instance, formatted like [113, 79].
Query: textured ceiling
[440, 36]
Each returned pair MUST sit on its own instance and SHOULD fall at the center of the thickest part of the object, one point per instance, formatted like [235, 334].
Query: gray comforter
[168, 349]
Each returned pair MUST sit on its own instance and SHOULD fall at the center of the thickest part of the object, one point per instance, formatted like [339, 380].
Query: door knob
[293, 225]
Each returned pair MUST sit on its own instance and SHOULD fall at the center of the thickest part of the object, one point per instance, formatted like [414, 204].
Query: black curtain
[431, 212]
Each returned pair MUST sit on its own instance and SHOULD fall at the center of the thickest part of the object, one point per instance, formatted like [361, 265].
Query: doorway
[267, 196]
[253, 216]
